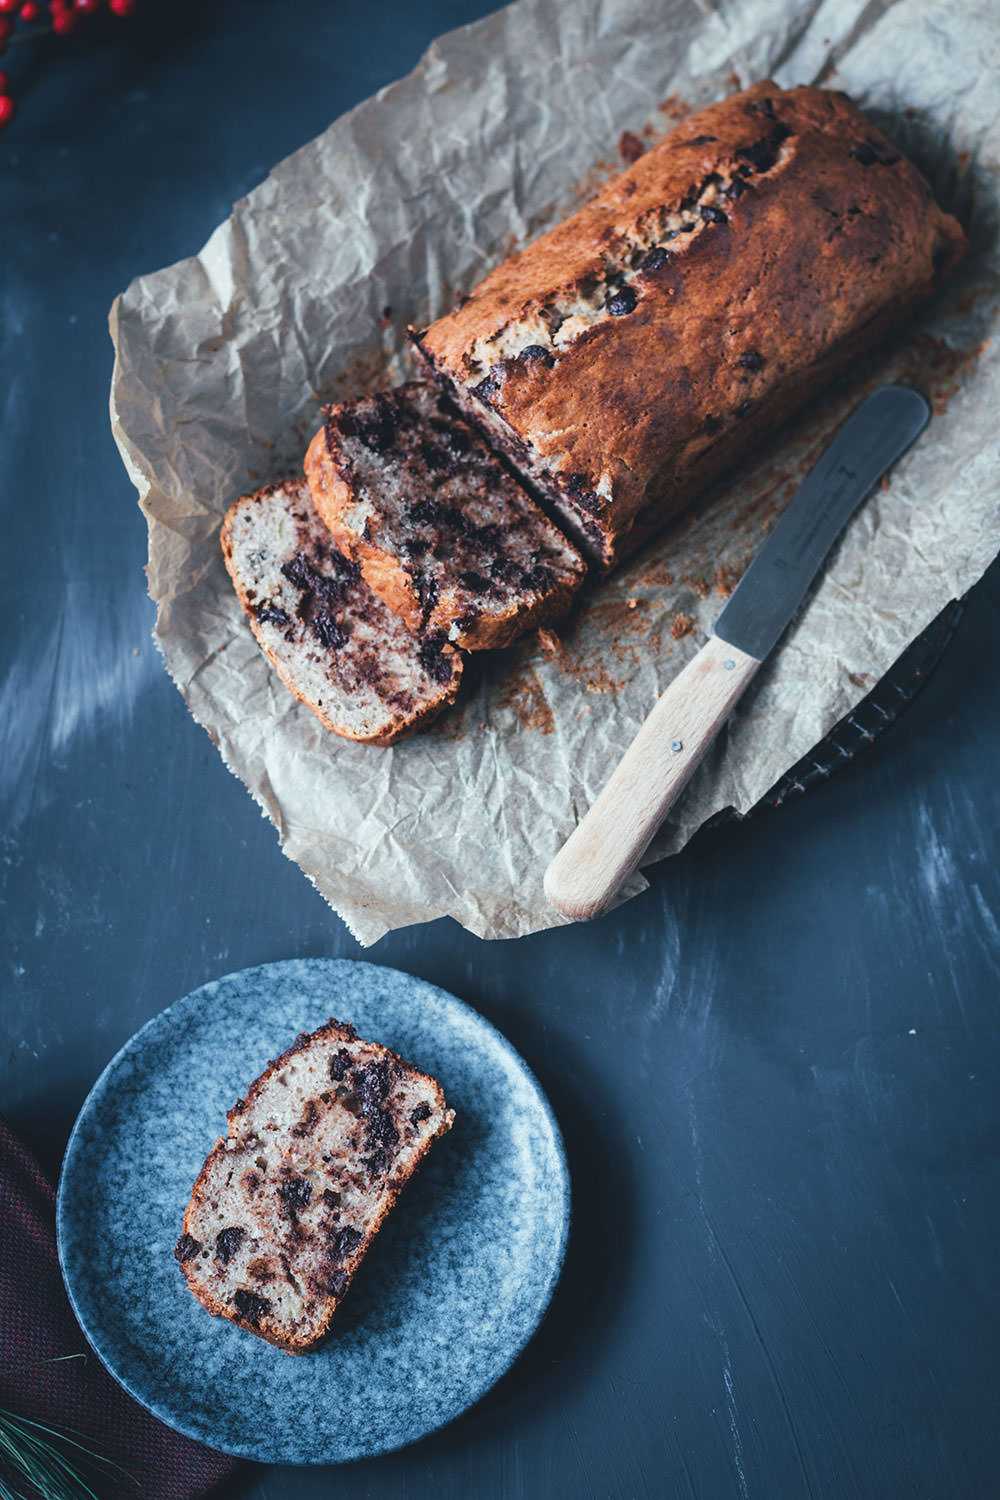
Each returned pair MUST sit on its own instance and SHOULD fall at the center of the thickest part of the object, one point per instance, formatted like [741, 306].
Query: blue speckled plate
[451, 1290]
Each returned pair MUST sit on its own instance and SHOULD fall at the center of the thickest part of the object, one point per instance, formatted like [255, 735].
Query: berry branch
[61, 17]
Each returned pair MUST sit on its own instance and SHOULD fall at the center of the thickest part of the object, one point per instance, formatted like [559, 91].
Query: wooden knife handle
[606, 847]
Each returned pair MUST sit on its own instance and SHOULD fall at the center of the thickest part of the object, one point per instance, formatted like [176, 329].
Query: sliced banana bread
[285, 1207]
[441, 531]
[332, 641]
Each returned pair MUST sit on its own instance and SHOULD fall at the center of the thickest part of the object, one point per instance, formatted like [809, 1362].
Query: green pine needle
[27, 1449]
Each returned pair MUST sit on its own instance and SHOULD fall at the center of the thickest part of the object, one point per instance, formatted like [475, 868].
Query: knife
[606, 847]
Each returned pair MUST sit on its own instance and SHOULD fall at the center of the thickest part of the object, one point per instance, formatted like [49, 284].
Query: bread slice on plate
[363, 673]
[287, 1205]
[441, 531]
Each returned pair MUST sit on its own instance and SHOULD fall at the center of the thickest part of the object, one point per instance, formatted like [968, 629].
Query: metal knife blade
[772, 588]
[599, 856]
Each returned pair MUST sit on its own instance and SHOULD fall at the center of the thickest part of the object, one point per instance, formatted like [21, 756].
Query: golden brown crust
[331, 494]
[831, 237]
[328, 485]
[334, 1031]
[494, 632]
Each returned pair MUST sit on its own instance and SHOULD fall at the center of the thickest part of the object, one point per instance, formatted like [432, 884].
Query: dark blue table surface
[776, 1071]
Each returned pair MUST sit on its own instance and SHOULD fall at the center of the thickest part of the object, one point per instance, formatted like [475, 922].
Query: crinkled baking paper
[304, 294]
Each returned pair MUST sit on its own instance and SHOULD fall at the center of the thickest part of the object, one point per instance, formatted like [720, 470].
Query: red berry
[58, 7]
[121, 7]
[4, 82]
[8, 7]
[31, 11]
[63, 22]
[87, 7]
[6, 27]
[8, 109]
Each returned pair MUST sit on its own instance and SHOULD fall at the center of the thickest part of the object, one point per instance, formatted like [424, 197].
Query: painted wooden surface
[776, 1071]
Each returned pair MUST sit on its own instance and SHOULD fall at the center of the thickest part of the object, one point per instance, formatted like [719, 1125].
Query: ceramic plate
[451, 1290]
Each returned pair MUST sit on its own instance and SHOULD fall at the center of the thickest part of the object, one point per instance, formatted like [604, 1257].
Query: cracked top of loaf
[627, 356]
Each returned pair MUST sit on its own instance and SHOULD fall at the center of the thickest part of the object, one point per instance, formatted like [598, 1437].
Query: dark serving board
[866, 722]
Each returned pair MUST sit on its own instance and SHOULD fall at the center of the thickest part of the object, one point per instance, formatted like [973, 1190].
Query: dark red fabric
[37, 1327]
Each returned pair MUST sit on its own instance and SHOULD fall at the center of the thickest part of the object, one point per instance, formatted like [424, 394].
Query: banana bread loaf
[442, 533]
[332, 641]
[288, 1203]
[630, 355]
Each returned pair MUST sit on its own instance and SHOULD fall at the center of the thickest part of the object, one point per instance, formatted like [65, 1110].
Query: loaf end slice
[442, 533]
[288, 1203]
[363, 673]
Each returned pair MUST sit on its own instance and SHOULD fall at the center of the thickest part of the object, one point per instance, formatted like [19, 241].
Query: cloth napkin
[37, 1331]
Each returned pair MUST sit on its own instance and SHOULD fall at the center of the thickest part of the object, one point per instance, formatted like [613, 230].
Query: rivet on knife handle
[599, 856]
[607, 846]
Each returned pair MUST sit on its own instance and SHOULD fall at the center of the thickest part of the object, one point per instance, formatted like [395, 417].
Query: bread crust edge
[337, 1031]
[332, 493]
[385, 737]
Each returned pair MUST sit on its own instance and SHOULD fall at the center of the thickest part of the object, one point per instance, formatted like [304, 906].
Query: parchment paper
[304, 295]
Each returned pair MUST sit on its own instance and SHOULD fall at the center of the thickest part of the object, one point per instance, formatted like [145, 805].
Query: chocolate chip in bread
[441, 531]
[363, 673]
[288, 1203]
